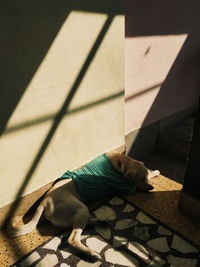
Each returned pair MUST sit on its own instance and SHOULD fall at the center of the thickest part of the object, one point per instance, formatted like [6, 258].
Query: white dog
[64, 204]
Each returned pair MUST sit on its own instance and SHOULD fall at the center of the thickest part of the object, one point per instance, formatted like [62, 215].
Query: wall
[161, 60]
[61, 98]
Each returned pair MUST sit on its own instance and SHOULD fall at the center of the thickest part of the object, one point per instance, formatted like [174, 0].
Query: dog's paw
[153, 174]
[156, 172]
[93, 255]
[87, 255]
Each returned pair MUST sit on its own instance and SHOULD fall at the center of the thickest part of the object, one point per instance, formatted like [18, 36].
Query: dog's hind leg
[79, 222]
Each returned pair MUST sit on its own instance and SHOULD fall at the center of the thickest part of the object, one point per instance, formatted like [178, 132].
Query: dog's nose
[150, 187]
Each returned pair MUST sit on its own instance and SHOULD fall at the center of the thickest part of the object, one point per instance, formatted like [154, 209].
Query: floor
[130, 238]
[161, 203]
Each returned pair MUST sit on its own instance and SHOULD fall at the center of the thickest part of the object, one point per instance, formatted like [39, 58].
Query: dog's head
[136, 173]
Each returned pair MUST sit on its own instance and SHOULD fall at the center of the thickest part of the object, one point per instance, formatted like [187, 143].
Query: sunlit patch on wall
[53, 79]
[148, 61]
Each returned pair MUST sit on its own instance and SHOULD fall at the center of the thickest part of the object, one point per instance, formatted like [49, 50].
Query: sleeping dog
[65, 203]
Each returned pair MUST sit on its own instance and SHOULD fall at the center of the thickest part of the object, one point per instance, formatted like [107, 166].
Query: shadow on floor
[161, 204]
[168, 166]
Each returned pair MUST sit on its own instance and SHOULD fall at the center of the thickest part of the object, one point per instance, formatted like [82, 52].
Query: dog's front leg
[153, 174]
[79, 222]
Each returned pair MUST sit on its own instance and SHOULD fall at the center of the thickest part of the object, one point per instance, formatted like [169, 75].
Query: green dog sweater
[98, 179]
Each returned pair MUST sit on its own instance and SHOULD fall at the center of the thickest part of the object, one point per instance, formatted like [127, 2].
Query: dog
[65, 204]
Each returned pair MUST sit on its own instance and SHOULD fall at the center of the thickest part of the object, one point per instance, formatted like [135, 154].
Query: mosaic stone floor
[132, 238]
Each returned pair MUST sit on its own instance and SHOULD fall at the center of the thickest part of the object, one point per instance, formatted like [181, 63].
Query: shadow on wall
[28, 30]
[62, 112]
[182, 82]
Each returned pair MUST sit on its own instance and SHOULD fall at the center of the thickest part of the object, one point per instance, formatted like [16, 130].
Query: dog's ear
[121, 165]
[126, 168]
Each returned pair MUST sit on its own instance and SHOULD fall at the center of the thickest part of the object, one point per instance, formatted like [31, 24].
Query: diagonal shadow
[28, 29]
[181, 86]
[129, 98]
[55, 125]
[181, 81]
[49, 117]
[60, 115]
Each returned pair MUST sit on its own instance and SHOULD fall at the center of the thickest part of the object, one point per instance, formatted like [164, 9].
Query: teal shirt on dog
[98, 179]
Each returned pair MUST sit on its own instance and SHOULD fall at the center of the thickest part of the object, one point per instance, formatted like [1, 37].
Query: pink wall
[162, 59]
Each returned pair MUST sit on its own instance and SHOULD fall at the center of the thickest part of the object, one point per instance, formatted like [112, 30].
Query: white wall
[86, 130]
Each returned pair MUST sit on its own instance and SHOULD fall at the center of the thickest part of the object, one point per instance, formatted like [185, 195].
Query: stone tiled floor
[132, 238]
[161, 204]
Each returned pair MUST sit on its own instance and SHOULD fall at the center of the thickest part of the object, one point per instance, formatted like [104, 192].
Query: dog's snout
[150, 187]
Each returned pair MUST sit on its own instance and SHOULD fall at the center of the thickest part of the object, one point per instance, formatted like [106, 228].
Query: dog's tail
[15, 231]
